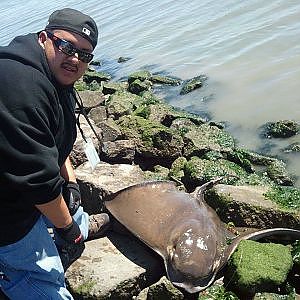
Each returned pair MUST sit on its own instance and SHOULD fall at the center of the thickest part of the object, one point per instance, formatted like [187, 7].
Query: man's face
[66, 69]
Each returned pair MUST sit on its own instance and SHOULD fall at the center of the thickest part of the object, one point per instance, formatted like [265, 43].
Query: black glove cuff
[70, 233]
[72, 196]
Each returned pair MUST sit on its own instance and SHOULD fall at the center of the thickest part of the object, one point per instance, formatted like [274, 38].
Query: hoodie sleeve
[29, 156]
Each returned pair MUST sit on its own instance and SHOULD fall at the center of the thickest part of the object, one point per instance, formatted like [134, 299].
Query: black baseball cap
[75, 21]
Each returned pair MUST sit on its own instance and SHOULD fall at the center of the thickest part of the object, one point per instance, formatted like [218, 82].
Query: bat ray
[182, 229]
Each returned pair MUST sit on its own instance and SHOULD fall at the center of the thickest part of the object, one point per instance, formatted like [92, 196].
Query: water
[250, 51]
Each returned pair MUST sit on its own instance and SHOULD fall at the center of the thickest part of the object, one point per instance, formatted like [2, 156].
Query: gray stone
[113, 267]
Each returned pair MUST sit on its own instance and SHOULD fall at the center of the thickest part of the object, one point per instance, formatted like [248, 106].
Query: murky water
[250, 51]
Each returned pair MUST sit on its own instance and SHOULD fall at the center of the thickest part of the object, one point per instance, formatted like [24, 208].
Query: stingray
[187, 233]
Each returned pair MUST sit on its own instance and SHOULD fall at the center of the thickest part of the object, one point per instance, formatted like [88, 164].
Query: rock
[113, 267]
[295, 147]
[258, 267]
[165, 80]
[161, 290]
[153, 140]
[282, 129]
[110, 130]
[104, 180]
[278, 173]
[248, 206]
[122, 59]
[296, 254]
[193, 84]
[141, 75]
[121, 151]
[122, 103]
[90, 76]
[286, 197]
[91, 99]
[197, 171]
[203, 138]
[98, 114]
[177, 169]
[95, 63]
[113, 87]
[168, 115]
[138, 86]
[217, 292]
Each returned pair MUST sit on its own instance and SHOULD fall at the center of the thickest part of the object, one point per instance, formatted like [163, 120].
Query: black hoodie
[37, 132]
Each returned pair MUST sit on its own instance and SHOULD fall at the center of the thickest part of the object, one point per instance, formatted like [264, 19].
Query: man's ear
[42, 38]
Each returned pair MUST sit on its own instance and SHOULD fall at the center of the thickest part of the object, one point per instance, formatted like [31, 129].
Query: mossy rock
[141, 75]
[199, 171]
[113, 87]
[295, 147]
[161, 290]
[177, 169]
[217, 292]
[152, 138]
[296, 254]
[258, 267]
[282, 128]
[286, 197]
[138, 86]
[90, 76]
[122, 103]
[278, 173]
[165, 80]
[203, 138]
[193, 84]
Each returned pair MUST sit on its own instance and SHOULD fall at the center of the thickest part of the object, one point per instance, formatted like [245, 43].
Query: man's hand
[72, 196]
[74, 245]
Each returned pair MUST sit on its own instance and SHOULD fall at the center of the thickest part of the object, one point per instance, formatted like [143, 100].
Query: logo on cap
[86, 31]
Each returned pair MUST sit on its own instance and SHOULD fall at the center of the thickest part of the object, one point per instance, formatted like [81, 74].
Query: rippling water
[250, 51]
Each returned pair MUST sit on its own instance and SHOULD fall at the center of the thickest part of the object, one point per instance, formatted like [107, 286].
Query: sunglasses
[68, 49]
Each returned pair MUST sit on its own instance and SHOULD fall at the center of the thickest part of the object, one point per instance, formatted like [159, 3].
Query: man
[37, 182]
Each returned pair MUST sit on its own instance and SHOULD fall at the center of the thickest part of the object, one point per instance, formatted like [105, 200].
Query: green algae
[217, 292]
[258, 267]
[286, 197]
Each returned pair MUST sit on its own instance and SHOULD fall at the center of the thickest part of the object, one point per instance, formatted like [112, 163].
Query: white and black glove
[72, 196]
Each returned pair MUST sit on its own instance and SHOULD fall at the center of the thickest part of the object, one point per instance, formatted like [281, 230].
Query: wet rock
[192, 84]
[217, 292]
[281, 129]
[140, 75]
[295, 147]
[177, 169]
[123, 59]
[112, 87]
[296, 255]
[138, 86]
[165, 80]
[90, 76]
[278, 173]
[258, 267]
